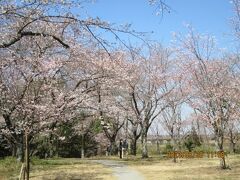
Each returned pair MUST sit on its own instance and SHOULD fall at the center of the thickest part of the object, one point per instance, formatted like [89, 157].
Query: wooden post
[27, 154]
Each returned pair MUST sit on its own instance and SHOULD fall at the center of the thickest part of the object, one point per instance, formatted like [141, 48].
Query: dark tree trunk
[27, 155]
[14, 150]
[174, 156]
[134, 139]
[219, 139]
[133, 146]
[114, 148]
[144, 143]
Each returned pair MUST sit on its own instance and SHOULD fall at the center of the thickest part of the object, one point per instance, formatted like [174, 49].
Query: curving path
[121, 171]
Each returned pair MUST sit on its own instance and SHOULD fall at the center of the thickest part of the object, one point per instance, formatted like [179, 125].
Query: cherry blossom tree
[172, 120]
[125, 75]
[211, 85]
[26, 100]
[42, 43]
[144, 80]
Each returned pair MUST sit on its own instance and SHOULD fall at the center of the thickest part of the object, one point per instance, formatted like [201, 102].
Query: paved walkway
[121, 171]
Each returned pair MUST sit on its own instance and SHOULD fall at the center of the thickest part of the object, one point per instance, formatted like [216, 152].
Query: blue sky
[206, 16]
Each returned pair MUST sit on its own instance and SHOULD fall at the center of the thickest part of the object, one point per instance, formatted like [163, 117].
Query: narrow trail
[120, 170]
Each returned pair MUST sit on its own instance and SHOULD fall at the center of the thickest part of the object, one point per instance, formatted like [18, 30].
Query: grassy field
[205, 168]
[57, 169]
[152, 168]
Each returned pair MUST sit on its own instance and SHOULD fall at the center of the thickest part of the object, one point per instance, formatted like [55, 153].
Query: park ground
[96, 168]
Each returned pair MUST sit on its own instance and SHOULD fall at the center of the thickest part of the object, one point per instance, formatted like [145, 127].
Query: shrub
[192, 141]
[206, 149]
[168, 147]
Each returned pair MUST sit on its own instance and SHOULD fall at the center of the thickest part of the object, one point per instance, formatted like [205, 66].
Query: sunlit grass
[9, 167]
[73, 170]
[205, 168]
[155, 167]
[61, 168]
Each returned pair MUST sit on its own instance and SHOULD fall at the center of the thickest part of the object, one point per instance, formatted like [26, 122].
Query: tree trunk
[82, 147]
[114, 148]
[223, 164]
[57, 148]
[232, 143]
[233, 146]
[51, 152]
[158, 147]
[206, 138]
[14, 150]
[174, 156]
[51, 144]
[27, 164]
[133, 146]
[219, 138]
[174, 148]
[144, 143]
[19, 152]
[134, 141]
